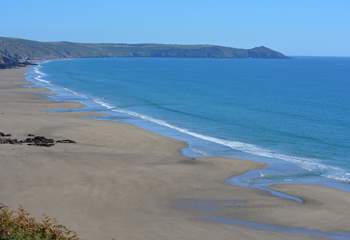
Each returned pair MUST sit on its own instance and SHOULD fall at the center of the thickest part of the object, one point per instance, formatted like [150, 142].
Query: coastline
[298, 168]
[103, 188]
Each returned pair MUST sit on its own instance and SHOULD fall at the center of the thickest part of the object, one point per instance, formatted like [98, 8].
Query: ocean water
[293, 114]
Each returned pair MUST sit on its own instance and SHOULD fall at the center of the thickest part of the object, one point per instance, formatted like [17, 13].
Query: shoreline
[251, 179]
[154, 166]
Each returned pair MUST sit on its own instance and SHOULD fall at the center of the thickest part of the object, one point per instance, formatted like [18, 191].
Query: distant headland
[18, 52]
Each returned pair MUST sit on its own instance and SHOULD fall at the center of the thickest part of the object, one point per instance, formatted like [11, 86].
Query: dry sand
[121, 182]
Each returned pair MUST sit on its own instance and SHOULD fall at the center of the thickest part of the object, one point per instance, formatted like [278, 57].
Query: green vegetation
[14, 51]
[19, 225]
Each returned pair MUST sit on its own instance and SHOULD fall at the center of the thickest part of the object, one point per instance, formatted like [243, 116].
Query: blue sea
[293, 114]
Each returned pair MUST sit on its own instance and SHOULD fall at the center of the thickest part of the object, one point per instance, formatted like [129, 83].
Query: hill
[14, 51]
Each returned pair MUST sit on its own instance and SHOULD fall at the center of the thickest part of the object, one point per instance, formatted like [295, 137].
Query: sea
[292, 114]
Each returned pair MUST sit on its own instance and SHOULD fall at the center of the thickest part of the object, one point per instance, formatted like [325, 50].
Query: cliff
[15, 51]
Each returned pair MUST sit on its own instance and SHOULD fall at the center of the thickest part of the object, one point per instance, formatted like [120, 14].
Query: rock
[65, 141]
[40, 141]
[9, 141]
[32, 140]
[4, 134]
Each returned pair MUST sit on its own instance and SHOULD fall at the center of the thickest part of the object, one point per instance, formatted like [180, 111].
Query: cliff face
[7, 61]
[16, 51]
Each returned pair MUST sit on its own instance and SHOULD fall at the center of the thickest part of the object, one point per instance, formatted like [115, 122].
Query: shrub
[19, 225]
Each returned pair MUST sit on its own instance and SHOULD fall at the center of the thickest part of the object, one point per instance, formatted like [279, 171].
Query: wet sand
[121, 182]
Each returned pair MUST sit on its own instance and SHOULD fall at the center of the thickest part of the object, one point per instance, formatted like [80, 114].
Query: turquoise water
[293, 113]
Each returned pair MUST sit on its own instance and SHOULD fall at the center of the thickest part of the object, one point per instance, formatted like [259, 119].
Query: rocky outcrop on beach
[31, 140]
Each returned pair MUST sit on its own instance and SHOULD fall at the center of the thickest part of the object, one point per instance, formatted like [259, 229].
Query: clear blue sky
[295, 27]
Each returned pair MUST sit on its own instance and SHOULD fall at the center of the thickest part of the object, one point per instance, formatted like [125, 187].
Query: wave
[310, 164]
[40, 75]
[42, 80]
[75, 93]
[103, 104]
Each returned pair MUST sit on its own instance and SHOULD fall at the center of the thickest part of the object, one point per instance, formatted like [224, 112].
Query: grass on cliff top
[19, 225]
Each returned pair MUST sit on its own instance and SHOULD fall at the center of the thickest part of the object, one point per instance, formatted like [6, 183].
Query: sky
[294, 27]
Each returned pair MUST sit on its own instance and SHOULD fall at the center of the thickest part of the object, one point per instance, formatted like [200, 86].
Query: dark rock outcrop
[31, 140]
[65, 141]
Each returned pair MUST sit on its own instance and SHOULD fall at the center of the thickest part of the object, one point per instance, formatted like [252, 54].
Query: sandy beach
[122, 182]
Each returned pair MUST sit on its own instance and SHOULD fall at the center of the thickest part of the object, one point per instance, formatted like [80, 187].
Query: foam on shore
[309, 164]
